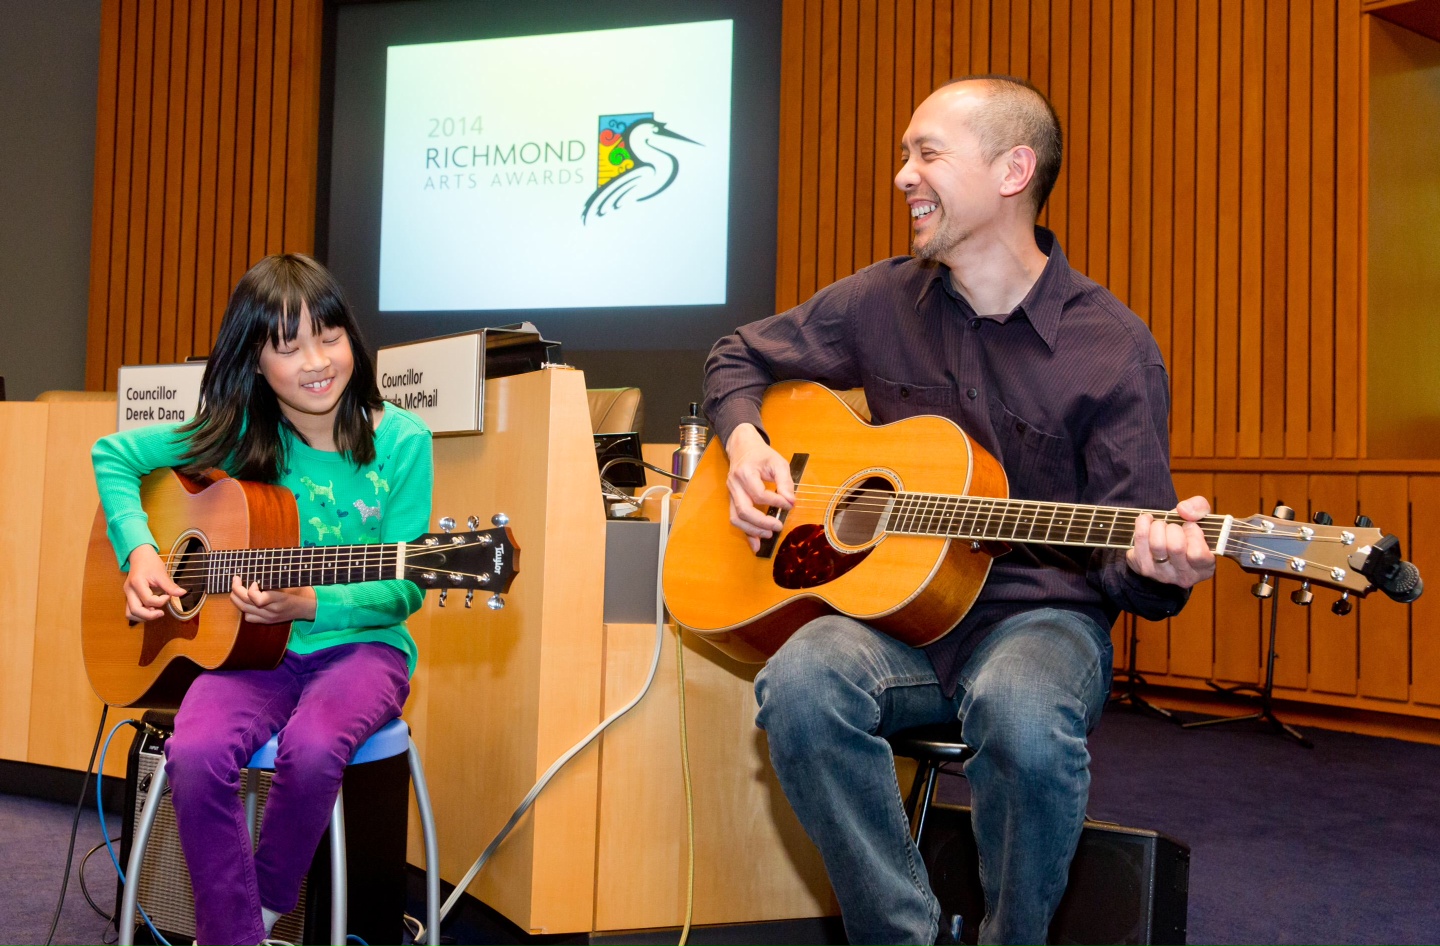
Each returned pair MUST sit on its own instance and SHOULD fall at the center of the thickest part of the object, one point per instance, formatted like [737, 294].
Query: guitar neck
[297, 568]
[981, 519]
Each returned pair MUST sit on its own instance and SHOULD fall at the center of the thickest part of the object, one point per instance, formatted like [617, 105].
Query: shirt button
[972, 393]
[904, 394]
[975, 323]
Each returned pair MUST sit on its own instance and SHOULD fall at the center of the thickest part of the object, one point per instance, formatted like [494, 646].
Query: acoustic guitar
[211, 529]
[897, 526]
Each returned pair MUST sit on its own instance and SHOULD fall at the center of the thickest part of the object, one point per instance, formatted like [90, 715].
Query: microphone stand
[1129, 690]
[1264, 589]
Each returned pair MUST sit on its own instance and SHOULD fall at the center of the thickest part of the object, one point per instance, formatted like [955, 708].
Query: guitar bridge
[797, 472]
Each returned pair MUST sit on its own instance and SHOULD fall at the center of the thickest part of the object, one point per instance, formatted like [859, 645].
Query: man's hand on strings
[272, 607]
[754, 465]
[1173, 553]
[148, 585]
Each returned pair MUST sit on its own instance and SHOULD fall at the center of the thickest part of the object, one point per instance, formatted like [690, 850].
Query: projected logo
[637, 162]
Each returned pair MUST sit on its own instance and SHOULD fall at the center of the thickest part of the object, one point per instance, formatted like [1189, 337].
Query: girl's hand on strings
[148, 585]
[272, 607]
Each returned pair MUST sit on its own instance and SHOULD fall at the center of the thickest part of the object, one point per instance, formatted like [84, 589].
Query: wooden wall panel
[205, 160]
[1214, 180]
[1211, 180]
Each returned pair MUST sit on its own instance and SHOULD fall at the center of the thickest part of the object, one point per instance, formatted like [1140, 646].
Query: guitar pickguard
[806, 558]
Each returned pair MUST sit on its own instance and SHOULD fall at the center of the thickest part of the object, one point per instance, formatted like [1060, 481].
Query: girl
[288, 397]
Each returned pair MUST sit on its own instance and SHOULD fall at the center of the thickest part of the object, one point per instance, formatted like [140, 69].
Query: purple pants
[324, 705]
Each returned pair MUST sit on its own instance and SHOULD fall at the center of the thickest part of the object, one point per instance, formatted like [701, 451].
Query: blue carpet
[1336, 845]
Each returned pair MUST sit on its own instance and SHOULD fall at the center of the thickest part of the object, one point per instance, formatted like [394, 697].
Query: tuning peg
[443, 593]
[1302, 595]
[469, 597]
[473, 523]
[1342, 605]
[495, 602]
[446, 523]
[500, 520]
[1364, 522]
[1324, 519]
[1262, 589]
[1283, 511]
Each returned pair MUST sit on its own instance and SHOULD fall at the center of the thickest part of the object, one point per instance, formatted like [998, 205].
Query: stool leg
[125, 922]
[339, 894]
[927, 795]
[432, 847]
[252, 802]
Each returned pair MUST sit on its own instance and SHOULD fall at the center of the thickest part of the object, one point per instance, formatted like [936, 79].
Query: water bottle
[693, 434]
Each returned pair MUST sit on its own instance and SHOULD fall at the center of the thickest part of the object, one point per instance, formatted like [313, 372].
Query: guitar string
[926, 505]
[383, 556]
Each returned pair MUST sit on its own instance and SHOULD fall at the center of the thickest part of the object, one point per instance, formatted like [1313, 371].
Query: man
[988, 325]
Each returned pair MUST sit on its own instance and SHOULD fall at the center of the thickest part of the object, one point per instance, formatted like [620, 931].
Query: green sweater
[388, 500]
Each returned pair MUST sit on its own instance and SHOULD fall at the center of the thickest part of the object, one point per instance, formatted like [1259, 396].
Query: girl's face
[308, 374]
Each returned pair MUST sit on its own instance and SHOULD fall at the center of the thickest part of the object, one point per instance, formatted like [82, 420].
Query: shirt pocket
[1039, 465]
[893, 400]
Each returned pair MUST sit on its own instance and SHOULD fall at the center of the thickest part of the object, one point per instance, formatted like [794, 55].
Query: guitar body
[915, 588]
[152, 664]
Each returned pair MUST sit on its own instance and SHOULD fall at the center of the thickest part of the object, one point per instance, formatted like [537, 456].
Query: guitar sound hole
[806, 559]
[857, 517]
[189, 572]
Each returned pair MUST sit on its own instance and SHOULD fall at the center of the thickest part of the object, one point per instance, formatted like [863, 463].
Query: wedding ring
[1162, 561]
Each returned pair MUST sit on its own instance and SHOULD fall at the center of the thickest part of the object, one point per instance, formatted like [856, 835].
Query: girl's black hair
[238, 425]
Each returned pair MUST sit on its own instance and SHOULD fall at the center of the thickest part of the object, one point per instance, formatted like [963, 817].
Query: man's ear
[1019, 170]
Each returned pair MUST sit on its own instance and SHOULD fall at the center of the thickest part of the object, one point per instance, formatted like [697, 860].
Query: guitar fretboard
[1017, 520]
[291, 568]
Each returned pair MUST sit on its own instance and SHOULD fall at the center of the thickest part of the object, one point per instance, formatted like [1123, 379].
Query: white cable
[574, 750]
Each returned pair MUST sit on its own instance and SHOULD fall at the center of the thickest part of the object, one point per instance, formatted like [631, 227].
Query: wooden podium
[498, 696]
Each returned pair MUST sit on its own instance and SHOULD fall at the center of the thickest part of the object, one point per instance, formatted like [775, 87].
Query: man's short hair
[1016, 113]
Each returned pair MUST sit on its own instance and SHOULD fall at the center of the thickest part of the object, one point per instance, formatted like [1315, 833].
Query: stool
[932, 746]
[388, 741]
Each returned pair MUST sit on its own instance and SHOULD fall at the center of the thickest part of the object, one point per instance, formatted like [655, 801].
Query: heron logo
[637, 162]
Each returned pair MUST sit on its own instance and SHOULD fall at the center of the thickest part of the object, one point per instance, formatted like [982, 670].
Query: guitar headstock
[486, 560]
[1354, 559]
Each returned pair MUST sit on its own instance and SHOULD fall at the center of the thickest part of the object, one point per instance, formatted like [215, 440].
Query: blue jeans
[1027, 698]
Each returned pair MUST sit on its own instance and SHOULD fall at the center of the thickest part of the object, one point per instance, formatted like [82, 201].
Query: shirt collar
[1044, 305]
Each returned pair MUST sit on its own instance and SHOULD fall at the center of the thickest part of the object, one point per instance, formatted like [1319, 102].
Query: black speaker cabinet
[376, 806]
[1127, 885]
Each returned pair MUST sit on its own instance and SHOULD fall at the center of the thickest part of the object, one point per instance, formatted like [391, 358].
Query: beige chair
[854, 399]
[616, 410]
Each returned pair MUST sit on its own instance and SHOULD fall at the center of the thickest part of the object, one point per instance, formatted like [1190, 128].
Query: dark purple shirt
[1068, 392]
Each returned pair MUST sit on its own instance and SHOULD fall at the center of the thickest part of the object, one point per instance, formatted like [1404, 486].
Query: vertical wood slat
[1237, 612]
[205, 159]
[1208, 214]
[1182, 351]
[1252, 224]
[1425, 613]
[107, 122]
[1272, 375]
[841, 251]
[1297, 257]
[828, 144]
[1334, 643]
[1384, 626]
[1226, 366]
[1292, 635]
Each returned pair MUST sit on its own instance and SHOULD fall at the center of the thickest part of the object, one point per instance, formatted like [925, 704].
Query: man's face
[951, 190]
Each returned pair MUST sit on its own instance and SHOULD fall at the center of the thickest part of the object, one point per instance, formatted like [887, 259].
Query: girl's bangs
[302, 292]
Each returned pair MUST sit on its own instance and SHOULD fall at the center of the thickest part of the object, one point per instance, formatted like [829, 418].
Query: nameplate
[158, 394]
[440, 379]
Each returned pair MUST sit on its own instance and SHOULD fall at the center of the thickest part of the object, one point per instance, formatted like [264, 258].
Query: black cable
[86, 890]
[75, 824]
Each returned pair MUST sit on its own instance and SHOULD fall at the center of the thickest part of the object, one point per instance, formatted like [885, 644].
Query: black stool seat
[932, 746]
[938, 742]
